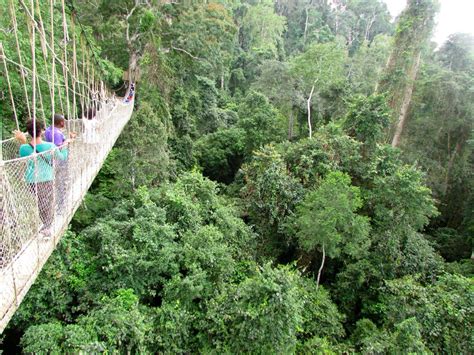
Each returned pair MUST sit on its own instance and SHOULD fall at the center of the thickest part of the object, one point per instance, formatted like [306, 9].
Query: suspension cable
[17, 42]
[9, 86]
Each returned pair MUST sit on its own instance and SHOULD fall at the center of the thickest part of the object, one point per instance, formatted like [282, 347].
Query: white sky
[454, 16]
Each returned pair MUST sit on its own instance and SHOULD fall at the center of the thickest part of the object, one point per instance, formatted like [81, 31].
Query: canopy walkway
[59, 77]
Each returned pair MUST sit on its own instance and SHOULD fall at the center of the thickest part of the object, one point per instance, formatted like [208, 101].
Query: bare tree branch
[185, 51]
[127, 31]
[6, 31]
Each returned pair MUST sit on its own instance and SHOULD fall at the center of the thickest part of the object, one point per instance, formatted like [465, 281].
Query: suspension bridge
[47, 73]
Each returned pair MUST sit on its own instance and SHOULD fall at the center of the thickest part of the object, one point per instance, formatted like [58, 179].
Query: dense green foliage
[218, 226]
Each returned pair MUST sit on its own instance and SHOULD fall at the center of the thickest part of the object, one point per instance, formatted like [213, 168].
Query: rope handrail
[50, 151]
[13, 138]
[35, 154]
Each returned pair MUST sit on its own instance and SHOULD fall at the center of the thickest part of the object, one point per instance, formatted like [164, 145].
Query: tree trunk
[406, 102]
[457, 150]
[305, 27]
[368, 27]
[309, 111]
[388, 64]
[321, 267]
[290, 125]
[132, 66]
[133, 172]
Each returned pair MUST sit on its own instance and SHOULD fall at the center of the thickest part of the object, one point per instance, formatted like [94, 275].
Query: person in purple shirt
[55, 135]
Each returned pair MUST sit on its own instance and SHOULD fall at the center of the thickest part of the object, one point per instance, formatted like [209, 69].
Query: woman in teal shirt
[40, 170]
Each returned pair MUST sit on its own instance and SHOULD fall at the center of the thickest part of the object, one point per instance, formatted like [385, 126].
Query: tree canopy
[297, 177]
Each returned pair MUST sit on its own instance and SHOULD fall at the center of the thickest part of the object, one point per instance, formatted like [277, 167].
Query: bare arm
[20, 136]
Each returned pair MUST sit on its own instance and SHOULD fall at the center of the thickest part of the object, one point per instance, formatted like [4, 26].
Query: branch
[132, 11]
[127, 33]
[135, 37]
[185, 51]
[6, 31]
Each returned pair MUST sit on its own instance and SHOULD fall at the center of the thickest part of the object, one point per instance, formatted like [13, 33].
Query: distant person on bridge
[130, 93]
[90, 126]
[39, 174]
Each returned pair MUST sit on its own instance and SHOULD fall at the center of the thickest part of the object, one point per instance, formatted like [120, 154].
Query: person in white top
[90, 127]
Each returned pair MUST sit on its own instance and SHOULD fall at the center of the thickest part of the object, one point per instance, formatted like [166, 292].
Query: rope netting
[41, 190]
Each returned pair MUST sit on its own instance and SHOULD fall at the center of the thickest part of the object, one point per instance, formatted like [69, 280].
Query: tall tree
[308, 22]
[367, 64]
[327, 220]
[360, 21]
[123, 27]
[457, 53]
[205, 36]
[414, 28]
[262, 28]
[270, 196]
[318, 68]
[280, 86]
[443, 113]
[261, 122]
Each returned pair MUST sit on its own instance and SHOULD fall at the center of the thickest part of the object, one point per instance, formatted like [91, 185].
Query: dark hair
[58, 118]
[34, 128]
[90, 113]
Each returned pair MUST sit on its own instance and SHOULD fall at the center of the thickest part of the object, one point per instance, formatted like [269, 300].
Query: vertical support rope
[45, 58]
[94, 100]
[88, 84]
[41, 29]
[53, 55]
[53, 69]
[60, 95]
[65, 73]
[94, 85]
[66, 84]
[74, 66]
[84, 99]
[33, 107]
[20, 60]
[2, 53]
[40, 97]
[33, 64]
[43, 48]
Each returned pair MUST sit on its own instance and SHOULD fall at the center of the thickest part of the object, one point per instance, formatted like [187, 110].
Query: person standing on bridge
[54, 134]
[90, 127]
[39, 174]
